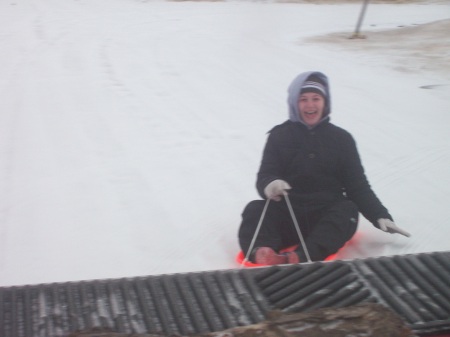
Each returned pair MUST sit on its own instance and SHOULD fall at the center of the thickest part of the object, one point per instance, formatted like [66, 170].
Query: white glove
[275, 189]
[389, 226]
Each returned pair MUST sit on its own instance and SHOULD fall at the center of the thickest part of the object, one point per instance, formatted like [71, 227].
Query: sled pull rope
[263, 214]
[299, 232]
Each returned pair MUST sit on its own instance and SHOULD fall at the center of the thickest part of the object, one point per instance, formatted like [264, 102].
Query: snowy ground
[131, 131]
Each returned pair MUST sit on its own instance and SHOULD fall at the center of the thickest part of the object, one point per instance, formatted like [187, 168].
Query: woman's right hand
[275, 189]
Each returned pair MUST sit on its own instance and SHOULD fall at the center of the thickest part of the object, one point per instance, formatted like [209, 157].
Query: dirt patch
[196, 0]
[332, 2]
[424, 47]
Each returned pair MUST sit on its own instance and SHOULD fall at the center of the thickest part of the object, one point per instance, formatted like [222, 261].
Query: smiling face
[311, 106]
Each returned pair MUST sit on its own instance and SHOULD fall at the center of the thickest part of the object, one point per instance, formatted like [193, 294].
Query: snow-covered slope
[131, 131]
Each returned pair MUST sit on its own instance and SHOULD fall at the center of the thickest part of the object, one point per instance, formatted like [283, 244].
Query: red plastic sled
[240, 256]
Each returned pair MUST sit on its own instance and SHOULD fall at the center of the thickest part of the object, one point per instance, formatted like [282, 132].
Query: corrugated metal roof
[415, 286]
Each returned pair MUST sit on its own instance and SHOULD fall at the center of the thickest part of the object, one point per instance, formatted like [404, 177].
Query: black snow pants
[325, 229]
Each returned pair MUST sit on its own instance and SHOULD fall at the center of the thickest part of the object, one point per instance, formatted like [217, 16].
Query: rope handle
[258, 227]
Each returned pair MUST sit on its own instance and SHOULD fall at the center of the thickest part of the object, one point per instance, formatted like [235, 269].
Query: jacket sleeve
[357, 187]
[270, 168]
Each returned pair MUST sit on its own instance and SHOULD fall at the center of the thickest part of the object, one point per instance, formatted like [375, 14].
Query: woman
[318, 164]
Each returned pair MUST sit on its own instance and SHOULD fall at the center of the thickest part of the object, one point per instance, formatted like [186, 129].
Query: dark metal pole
[356, 34]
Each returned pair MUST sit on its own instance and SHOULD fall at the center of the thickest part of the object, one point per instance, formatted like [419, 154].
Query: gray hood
[294, 92]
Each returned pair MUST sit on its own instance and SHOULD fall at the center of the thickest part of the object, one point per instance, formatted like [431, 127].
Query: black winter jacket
[322, 165]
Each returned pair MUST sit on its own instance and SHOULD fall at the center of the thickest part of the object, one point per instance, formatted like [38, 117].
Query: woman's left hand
[389, 226]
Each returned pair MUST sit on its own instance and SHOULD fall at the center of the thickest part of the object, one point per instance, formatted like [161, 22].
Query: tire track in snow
[152, 128]
[410, 173]
[415, 164]
[198, 133]
[11, 120]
